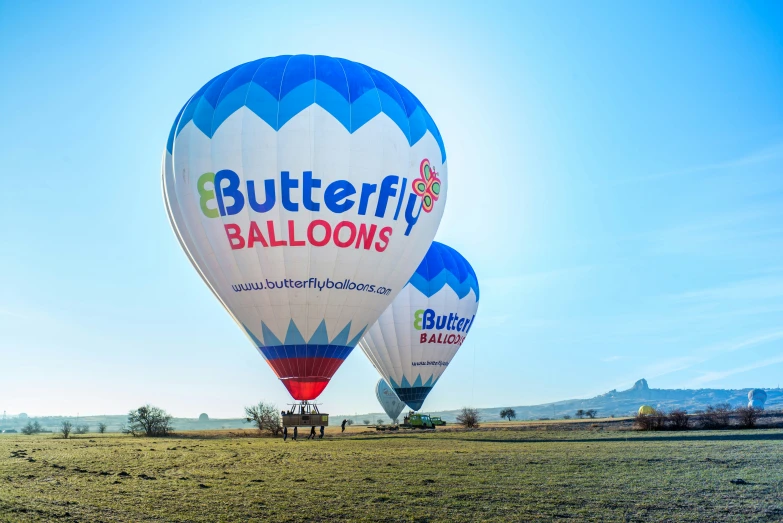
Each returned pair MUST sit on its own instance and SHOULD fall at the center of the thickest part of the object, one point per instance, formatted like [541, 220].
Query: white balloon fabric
[391, 404]
[304, 190]
[416, 338]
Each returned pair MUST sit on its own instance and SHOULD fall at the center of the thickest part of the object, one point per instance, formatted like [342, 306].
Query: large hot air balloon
[391, 404]
[646, 410]
[304, 190]
[757, 398]
[415, 339]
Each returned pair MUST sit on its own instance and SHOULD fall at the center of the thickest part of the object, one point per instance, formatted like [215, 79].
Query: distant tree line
[590, 413]
[713, 417]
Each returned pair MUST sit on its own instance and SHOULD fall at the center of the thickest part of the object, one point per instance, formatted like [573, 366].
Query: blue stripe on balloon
[298, 99]
[443, 266]
[355, 95]
[306, 351]
[333, 102]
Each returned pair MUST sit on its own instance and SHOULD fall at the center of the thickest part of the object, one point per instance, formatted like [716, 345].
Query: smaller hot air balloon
[391, 404]
[756, 399]
[646, 410]
[416, 337]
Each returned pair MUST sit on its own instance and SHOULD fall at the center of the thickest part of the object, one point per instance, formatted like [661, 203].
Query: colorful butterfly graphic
[427, 187]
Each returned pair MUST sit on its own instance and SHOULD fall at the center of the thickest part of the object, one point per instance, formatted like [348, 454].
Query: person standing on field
[295, 434]
[312, 433]
[285, 433]
[343, 425]
[322, 433]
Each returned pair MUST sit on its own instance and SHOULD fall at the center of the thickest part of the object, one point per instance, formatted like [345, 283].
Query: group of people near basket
[296, 433]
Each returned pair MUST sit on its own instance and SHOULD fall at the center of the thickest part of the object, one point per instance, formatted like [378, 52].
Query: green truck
[417, 421]
[437, 421]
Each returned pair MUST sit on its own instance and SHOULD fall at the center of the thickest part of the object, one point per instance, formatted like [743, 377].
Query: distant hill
[612, 403]
[115, 422]
[627, 402]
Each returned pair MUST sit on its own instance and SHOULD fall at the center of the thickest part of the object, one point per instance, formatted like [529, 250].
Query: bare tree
[82, 429]
[266, 417]
[65, 429]
[101, 427]
[469, 418]
[509, 414]
[591, 413]
[717, 417]
[748, 416]
[678, 419]
[349, 422]
[580, 413]
[32, 427]
[380, 422]
[366, 422]
[148, 421]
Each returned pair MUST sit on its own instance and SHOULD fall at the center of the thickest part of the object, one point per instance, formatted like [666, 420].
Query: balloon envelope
[391, 404]
[757, 398]
[646, 410]
[304, 190]
[415, 339]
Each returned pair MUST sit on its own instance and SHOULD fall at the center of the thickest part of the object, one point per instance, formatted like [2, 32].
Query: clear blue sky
[616, 180]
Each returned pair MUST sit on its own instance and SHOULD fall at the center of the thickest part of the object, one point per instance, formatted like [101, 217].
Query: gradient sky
[616, 180]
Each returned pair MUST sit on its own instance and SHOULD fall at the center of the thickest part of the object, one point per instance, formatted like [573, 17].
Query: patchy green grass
[499, 475]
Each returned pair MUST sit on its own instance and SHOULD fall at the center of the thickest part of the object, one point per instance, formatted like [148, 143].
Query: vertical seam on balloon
[178, 234]
[372, 352]
[279, 93]
[363, 254]
[261, 267]
[203, 229]
[213, 130]
[405, 109]
[246, 210]
[187, 226]
[309, 212]
[350, 151]
[279, 214]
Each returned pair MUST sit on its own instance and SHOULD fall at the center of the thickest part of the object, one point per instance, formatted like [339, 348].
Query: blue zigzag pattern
[278, 88]
[413, 395]
[444, 266]
[295, 346]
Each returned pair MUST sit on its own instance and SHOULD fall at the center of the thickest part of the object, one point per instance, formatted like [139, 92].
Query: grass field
[504, 474]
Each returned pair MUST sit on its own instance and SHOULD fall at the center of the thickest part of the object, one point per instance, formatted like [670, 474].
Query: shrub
[717, 417]
[65, 429]
[101, 427]
[748, 416]
[469, 418]
[678, 419]
[32, 427]
[266, 417]
[82, 429]
[654, 421]
[591, 413]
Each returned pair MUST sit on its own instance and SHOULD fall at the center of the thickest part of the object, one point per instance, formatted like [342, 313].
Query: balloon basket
[304, 414]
